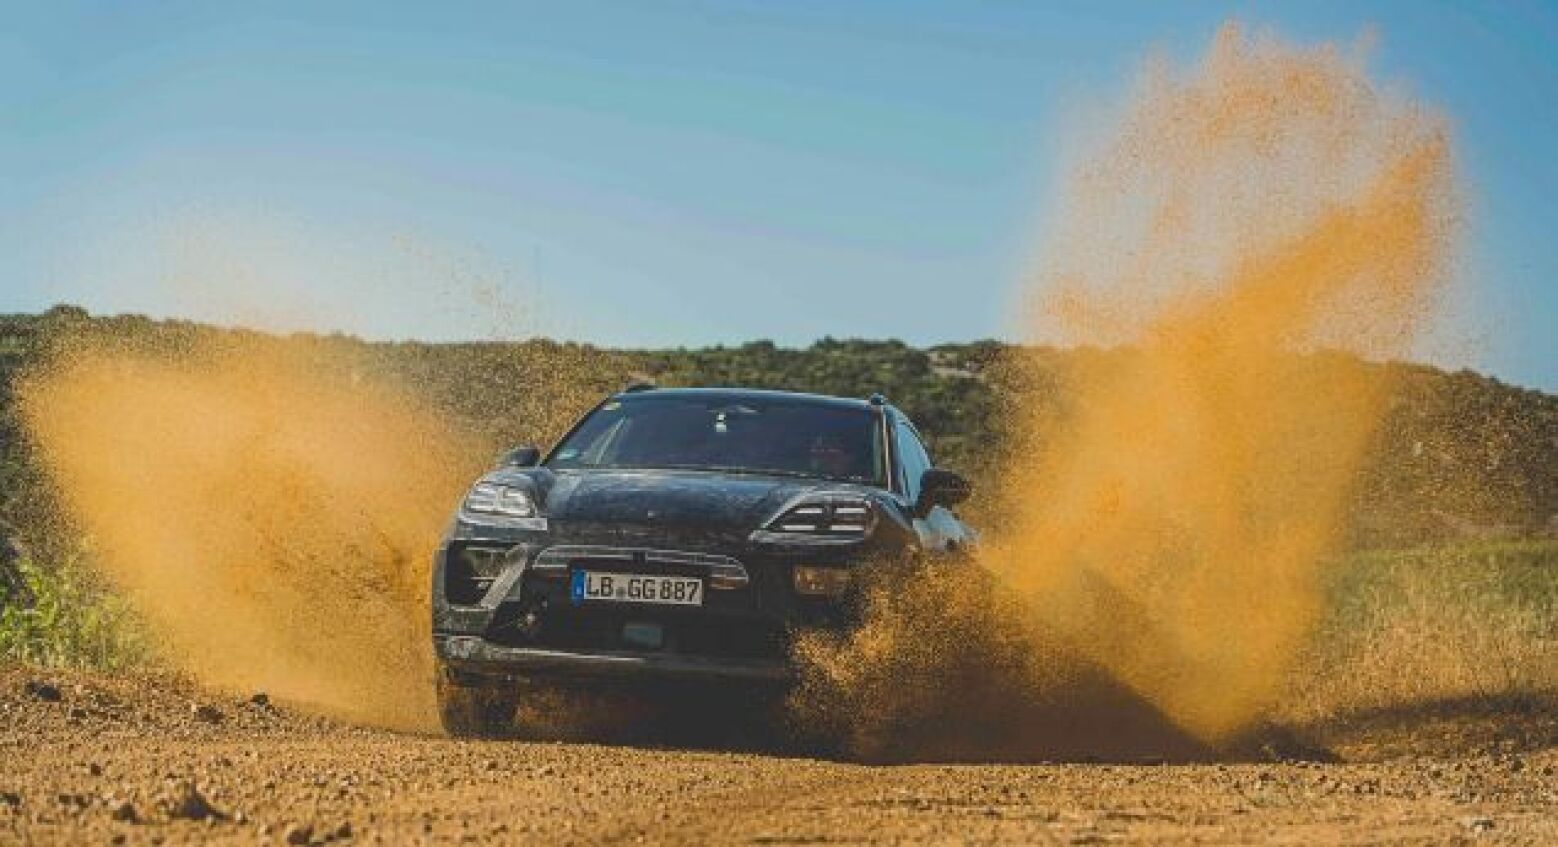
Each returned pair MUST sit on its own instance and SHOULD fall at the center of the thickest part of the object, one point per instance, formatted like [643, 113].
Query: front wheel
[473, 707]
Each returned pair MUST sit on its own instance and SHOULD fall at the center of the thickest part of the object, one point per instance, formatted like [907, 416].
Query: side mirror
[941, 487]
[527, 456]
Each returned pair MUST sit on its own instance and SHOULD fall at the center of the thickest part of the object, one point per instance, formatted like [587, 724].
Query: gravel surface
[143, 759]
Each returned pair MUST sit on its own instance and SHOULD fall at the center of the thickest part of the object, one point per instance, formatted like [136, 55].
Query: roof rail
[877, 399]
[640, 385]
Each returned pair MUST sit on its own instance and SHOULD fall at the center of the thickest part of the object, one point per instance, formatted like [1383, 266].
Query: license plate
[593, 586]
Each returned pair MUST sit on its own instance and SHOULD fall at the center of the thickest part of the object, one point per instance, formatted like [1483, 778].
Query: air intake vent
[471, 570]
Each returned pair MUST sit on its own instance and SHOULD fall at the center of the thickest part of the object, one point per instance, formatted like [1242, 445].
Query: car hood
[672, 499]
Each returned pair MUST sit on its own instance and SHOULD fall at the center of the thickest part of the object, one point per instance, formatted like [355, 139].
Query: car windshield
[769, 436]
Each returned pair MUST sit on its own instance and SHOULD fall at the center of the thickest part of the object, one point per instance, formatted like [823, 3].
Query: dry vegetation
[1461, 624]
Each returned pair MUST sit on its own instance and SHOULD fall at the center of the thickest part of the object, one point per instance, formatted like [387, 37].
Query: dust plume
[1172, 521]
[270, 508]
[1166, 526]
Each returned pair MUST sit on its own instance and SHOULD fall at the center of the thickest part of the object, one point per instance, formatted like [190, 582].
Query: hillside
[1460, 455]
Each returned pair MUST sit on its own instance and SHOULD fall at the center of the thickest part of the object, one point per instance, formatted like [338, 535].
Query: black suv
[677, 533]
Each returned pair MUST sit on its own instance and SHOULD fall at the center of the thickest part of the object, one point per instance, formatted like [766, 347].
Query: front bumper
[524, 622]
[474, 654]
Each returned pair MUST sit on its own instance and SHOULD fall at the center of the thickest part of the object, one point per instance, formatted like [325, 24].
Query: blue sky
[664, 173]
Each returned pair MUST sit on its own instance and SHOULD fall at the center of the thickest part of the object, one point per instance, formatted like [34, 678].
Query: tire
[474, 708]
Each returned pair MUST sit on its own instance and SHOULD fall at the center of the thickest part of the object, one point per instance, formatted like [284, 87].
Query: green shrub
[64, 616]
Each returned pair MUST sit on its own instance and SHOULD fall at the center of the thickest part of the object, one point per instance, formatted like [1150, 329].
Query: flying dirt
[1169, 527]
[1268, 203]
[251, 500]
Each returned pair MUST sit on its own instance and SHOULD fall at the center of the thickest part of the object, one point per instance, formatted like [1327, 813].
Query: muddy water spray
[1266, 204]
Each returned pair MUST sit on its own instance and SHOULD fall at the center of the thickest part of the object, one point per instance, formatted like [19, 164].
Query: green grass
[64, 616]
[1507, 574]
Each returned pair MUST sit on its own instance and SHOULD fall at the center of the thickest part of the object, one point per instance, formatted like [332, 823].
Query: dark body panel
[718, 526]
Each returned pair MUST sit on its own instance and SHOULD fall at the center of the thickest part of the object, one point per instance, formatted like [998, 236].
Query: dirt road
[91, 759]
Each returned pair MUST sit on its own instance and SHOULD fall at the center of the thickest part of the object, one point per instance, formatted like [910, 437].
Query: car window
[913, 458]
[728, 433]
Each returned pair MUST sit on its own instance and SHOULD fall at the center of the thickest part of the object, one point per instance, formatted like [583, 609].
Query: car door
[940, 530]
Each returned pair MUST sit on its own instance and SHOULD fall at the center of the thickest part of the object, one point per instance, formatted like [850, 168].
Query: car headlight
[489, 498]
[835, 517]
